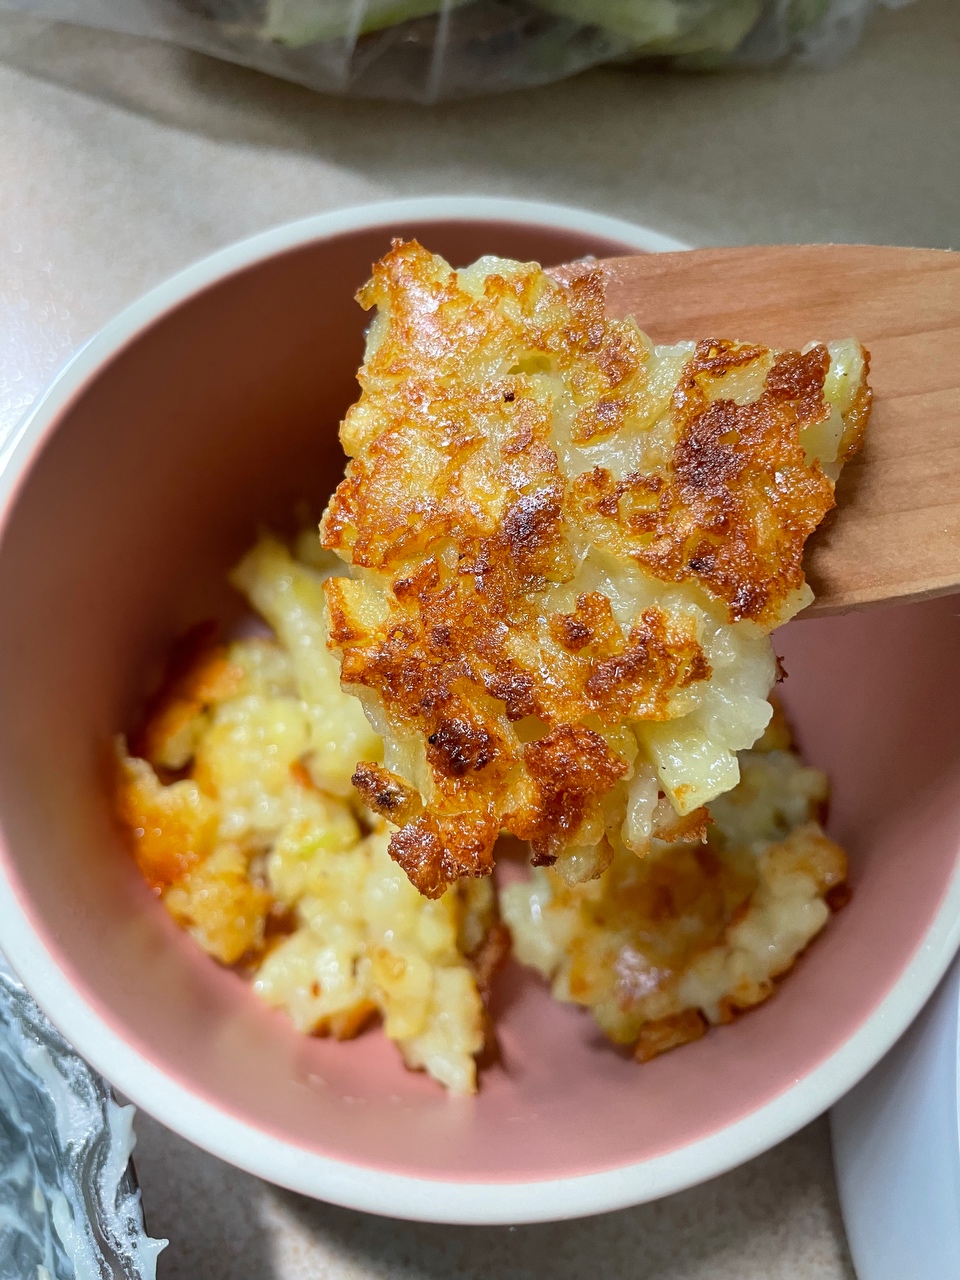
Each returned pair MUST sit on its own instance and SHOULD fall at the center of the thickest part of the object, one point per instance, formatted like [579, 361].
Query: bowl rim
[357, 1186]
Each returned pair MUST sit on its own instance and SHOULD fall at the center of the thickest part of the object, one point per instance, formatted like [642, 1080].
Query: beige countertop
[122, 160]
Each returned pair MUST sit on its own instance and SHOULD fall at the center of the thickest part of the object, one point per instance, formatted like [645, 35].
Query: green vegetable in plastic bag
[437, 50]
[300, 22]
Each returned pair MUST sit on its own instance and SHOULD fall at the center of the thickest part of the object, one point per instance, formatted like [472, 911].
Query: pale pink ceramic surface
[219, 415]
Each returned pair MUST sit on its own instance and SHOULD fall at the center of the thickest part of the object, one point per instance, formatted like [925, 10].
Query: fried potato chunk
[567, 549]
[172, 828]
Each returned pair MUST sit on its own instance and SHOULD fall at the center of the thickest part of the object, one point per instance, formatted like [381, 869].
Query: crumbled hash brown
[268, 870]
[658, 948]
[567, 548]
[238, 805]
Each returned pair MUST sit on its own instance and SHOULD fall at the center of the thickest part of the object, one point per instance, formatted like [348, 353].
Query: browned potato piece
[568, 547]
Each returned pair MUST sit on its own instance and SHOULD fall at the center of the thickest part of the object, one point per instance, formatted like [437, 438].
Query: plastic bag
[431, 50]
[69, 1201]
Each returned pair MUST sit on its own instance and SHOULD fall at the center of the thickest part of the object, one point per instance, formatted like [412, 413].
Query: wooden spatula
[896, 532]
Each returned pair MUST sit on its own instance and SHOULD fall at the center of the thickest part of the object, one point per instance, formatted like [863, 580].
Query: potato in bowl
[511, 447]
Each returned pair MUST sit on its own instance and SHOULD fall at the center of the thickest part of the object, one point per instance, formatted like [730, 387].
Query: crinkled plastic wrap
[69, 1204]
[430, 50]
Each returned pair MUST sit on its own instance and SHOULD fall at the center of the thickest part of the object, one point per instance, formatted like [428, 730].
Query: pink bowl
[208, 406]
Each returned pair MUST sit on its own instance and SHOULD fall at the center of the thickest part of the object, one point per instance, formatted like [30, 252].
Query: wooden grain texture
[896, 531]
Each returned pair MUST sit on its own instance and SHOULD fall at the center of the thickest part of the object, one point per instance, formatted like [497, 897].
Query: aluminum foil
[69, 1202]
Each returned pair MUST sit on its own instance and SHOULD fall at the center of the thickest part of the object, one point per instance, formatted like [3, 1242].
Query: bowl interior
[221, 415]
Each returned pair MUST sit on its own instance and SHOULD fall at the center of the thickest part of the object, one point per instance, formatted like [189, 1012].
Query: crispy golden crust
[670, 826]
[170, 830]
[386, 794]
[857, 416]
[570, 767]
[738, 500]
[198, 673]
[463, 517]
[436, 849]
[669, 1033]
